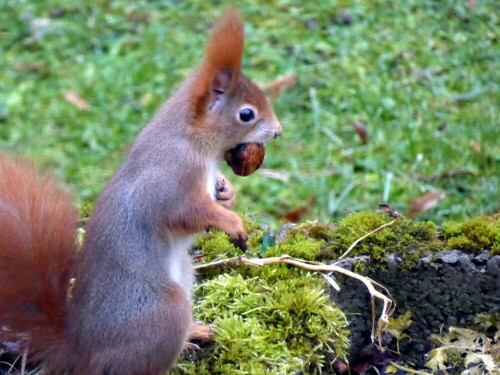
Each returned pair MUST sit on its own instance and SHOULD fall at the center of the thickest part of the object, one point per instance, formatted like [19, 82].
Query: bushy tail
[37, 259]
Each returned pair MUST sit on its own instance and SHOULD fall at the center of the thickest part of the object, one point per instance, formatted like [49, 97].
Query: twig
[363, 237]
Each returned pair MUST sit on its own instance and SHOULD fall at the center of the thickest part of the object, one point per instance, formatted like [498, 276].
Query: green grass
[422, 76]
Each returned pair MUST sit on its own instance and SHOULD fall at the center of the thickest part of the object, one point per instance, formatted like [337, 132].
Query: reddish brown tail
[37, 257]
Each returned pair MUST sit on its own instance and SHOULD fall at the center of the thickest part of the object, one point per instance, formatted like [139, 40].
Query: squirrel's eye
[246, 115]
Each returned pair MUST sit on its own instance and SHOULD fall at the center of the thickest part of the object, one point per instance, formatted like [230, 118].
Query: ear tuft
[225, 48]
[220, 70]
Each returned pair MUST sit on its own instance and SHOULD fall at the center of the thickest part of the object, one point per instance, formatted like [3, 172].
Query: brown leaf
[362, 131]
[297, 214]
[425, 202]
[74, 98]
[275, 88]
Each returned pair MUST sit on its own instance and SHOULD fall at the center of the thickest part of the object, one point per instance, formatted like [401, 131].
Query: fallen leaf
[425, 202]
[297, 214]
[390, 369]
[437, 359]
[72, 97]
[400, 324]
[362, 131]
[276, 87]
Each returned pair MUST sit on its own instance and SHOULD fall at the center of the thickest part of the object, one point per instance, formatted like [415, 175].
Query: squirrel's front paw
[239, 236]
[239, 239]
[224, 192]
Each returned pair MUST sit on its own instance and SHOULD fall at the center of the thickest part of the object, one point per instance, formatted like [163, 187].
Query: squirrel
[129, 311]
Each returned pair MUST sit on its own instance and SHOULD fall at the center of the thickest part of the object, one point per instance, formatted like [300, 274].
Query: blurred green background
[421, 76]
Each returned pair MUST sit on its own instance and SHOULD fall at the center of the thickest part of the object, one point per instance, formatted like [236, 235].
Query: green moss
[476, 235]
[214, 244]
[315, 230]
[85, 209]
[277, 323]
[404, 238]
[297, 245]
[255, 233]
[358, 267]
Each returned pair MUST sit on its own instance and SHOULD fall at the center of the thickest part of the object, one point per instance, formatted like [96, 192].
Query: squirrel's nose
[277, 133]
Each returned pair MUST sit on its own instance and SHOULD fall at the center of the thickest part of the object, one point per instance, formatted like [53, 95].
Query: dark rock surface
[441, 291]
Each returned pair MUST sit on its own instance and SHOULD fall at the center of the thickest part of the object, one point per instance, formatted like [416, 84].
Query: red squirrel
[129, 311]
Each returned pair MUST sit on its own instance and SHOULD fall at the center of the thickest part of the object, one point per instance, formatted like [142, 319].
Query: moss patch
[280, 321]
[476, 235]
[405, 238]
[297, 245]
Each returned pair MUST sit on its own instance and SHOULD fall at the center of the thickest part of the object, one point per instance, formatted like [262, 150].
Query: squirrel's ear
[221, 83]
[221, 66]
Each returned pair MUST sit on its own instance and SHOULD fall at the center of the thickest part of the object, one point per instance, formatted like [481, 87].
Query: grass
[422, 76]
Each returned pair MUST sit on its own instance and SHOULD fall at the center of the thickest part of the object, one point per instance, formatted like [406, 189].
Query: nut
[245, 158]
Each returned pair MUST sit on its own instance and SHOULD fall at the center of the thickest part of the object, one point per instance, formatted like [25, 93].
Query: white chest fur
[178, 262]
[211, 179]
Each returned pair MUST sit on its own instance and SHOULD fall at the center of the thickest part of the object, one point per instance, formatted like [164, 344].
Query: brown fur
[130, 311]
[37, 256]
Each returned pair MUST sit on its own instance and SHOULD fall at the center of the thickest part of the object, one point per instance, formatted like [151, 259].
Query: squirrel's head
[226, 103]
